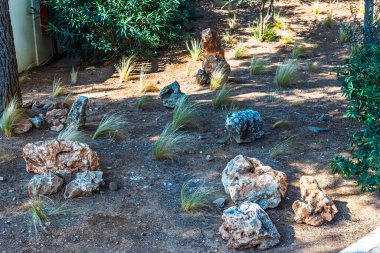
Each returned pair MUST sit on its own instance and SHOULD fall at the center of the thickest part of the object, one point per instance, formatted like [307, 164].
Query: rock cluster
[315, 207]
[246, 179]
[170, 94]
[248, 226]
[245, 126]
[213, 54]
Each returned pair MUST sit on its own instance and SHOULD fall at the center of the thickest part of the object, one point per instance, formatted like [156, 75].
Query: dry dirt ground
[144, 215]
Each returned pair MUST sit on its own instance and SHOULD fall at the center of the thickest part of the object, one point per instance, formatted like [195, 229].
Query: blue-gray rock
[37, 122]
[47, 105]
[219, 203]
[245, 126]
[77, 114]
[317, 129]
[113, 186]
[170, 94]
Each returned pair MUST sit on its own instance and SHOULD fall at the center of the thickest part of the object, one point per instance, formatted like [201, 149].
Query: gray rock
[219, 203]
[202, 78]
[23, 126]
[317, 129]
[245, 126]
[77, 114]
[47, 105]
[45, 184]
[84, 185]
[170, 94]
[248, 226]
[113, 186]
[37, 122]
[246, 179]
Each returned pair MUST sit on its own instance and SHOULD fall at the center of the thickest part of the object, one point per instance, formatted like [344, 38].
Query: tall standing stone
[77, 114]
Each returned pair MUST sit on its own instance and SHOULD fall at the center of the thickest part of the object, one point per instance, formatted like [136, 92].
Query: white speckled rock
[45, 184]
[84, 185]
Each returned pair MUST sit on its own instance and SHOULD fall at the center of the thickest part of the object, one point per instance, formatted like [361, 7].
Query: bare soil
[144, 215]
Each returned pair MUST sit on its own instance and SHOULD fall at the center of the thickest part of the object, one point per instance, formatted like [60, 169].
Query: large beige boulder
[246, 179]
[315, 207]
[58, 156]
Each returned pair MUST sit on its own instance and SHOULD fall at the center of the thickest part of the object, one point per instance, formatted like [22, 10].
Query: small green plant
[185, 114]
[58, 88]
[287, 39]
[12, 116]
[241, 51]
[269, 34]
[278, 21]
[71, 133]
[222, 98]
[112, 126]
[300, 49]
[195, 49]
[195, 198]
[329, 20]
[170, 144]
[73, 76]
[257, 66]
[271, 98]
[232, 23]
[287, 74]
[233, 107]
[143, 101]
[312, 66]
[316, 8]
[144, 83]
[229, 38]
[125, 67]
[282, 148]
[219, 76]
[345, 33]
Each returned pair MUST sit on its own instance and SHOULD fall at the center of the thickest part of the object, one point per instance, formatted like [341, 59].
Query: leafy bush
[360, 85]
[270, 33]
[101, 28]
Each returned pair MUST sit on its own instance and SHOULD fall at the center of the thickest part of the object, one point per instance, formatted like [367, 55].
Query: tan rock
[45, 184]
[59, 157]
[315, 207]
[56, 114]
[23, 126]
[57, 128]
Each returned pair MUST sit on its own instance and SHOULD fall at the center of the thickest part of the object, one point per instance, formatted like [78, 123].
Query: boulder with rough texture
[77, 114]
[45, 184]
[248, 226]
[23, 126]
[84, 185]
[245, 126]
[213, 54]
[315, 207]
[170, 94]
[58, 156]
[246, 179]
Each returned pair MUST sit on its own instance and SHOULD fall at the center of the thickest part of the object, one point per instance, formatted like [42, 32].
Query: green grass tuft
[222, 98]
[345, 33]
[287, 39]
[232, 22]
[144, 83]
[58, 88]
[312, 66]
[229, 38]
[12, 116]
[287, 74]
[170, 144]
[185, 114]
[269, 34]
[144, 101]
[316, 8]
[70, 133]
[195, 198]
[300, 49]
[73, 76]
[329, 20]
[257, 66]
[125, 67]
[241, 51]
[112, 126]
[219, 77]
[195, 49]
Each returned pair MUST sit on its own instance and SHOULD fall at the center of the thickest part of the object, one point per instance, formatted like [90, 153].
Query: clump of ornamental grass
[329, 20]
[112, 126]
[58, 88]
[185, 114]
[316, 8]
[257, 66]
[241, 51]
[287, 74]
[195, 198]
[283, 148]
[143, 101]
[219, 76]
[345, 33]
[229, 38]
[144, 83]
[12, 116]
[222, 98]
[195, 49]
[233, 107]
[300, 49]
[170, 144]
[73, 76]
[278, 21]
[232, 22]
[71, 133]
[125, 67]
[287, 39]
[271, 98]
[312, 66]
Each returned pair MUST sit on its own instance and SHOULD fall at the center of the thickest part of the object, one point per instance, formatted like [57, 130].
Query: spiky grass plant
[170, 144]
[233, 107]
[195, 49]
[232, 22]
[185, 114]
[112, 126]
[300, 49]
[257, 66]
[241, 51]
[23, 77]
[144, 83]
[222, 98]
[282, 148]
[12, 116]
[329, 20]
[316, 8]
[195, 198]
[287, 74]
[143, 101]
[278, 21]
[71, 133]
[73, 76]
[58, 88]
[125, 67]
[271, 98]
[219, 76]
[312, 66]
[229, 38]
[344, 33]
[287, 39]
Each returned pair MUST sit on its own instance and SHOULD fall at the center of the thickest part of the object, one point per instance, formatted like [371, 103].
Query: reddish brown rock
[45, 184]
[315, 207]
[56, 114]
[23, 126]
[59, 157]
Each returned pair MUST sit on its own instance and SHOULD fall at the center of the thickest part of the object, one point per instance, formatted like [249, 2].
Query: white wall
[32, 48]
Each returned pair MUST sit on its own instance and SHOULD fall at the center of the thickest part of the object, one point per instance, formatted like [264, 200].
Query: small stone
[220, 141]
[23, 126]
[37, 122]
[113, 186]
[209, 158]
[219, 203]
[57, 128]
[2, 179]
[55, 122]
[45, 184]
[56, 114]
[84, 185]
[317, 129]
[244, 126]
[200, 137]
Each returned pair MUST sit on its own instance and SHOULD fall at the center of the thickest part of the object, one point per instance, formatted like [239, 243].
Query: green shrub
[360, 85]
[270, 33]
[104, 29]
